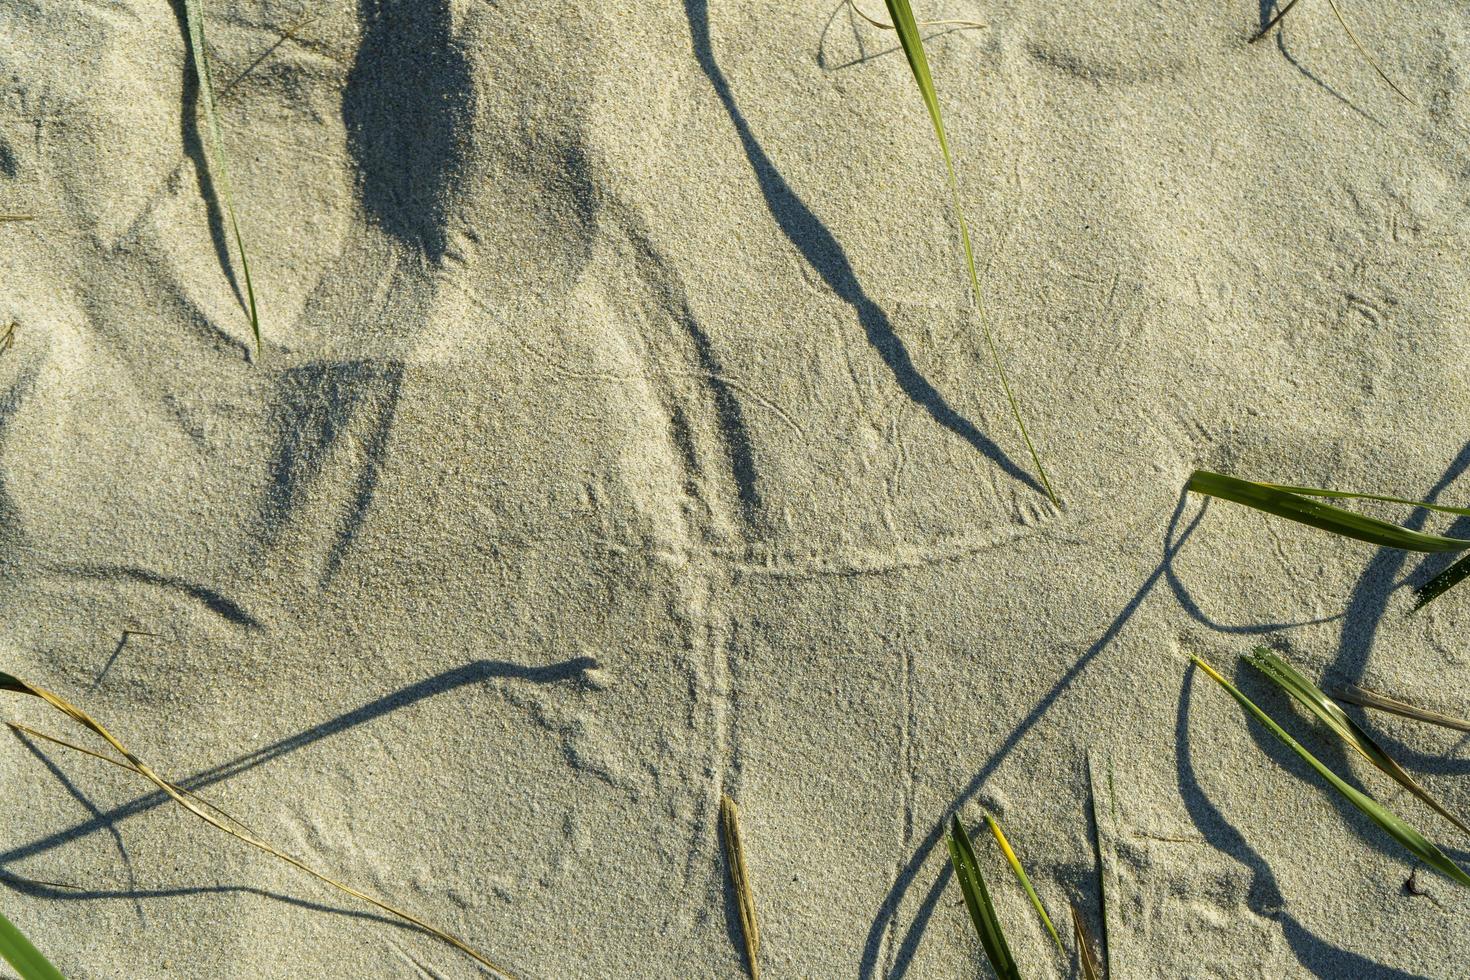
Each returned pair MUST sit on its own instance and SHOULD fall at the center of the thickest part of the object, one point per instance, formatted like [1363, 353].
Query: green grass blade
[1382, 702]
[1315, 700]
[1417, 844]
[27, 961]
[977, 900]
[1294, 506]
[1086, 957]
[1021, 876]
[913, 48]
[1441, 583]
[194, 17]
[1347, 495]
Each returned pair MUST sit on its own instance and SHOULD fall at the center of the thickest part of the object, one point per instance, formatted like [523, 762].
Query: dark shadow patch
[216, 602]
[319, 409]
[9, 167]
[407, 96]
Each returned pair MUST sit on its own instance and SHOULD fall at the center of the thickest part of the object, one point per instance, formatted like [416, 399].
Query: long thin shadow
[477, 672]
[212, 599]
[194, 149]
[323, 406]
[39, 889]
[1186, 600]
[1264, 896]
[87, 804]
[820, 248]
[888, 912]
[1366, 609]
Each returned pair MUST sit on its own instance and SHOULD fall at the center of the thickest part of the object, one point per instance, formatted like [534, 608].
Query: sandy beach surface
[624, 436]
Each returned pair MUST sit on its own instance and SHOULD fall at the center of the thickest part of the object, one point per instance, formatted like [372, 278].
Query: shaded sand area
[624, 436]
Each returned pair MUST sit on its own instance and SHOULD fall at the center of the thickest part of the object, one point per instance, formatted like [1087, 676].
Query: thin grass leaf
[977, 900]
[1367, 56]
[1015, 863]
[1311, 697]
[1382, 702]
[740, 879]
[1441, 583]
[27, 730]
[9, 682]
[1097, 853]
[1416, 843]
[4, 218]
[1091, 968]
[27, 961]
[913, 48]
[194, 17]
[1347, 495]
[1295, 506]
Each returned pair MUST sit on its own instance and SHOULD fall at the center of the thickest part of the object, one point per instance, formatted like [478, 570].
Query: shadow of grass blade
[977, 900]
[1086, 957]
[1382, 702]
[913, 48]
[1294, 506]
[1416, 843]
[1021, 876]
[1327, 711]
[9, 682]
[194, 18]
[740, 879]
[24, 958]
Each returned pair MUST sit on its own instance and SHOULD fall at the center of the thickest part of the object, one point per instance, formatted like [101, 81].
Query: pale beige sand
[624, 435]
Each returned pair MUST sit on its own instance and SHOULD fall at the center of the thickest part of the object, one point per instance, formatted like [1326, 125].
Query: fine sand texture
[624, 435]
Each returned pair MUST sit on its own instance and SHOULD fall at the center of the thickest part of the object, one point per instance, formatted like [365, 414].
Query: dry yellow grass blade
[744, 896]
[187, 800]
[1086, 957]
[1362, 50]
[1382, 702]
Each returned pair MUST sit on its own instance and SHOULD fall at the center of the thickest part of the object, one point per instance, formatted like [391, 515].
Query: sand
[624, 436]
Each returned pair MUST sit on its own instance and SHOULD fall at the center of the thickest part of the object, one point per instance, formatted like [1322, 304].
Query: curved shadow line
[1307, 73]
[38, 889]
[477, 672]
[1186, 600]
[217, 603]
[888, 912]
[1264, 897]
[825, 255]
